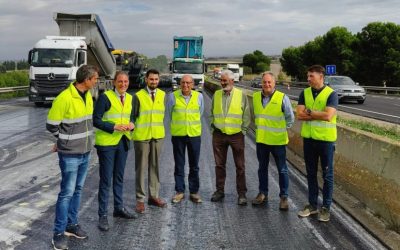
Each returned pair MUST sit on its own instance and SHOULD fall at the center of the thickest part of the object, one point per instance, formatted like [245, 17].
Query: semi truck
[237, 71]
[54, 60]
[188, 60]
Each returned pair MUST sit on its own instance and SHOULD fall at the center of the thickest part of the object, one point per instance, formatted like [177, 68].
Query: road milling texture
[187, 225]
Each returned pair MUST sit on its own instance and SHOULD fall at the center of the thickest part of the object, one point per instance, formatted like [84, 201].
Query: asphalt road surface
[381, 107]
[30, 177]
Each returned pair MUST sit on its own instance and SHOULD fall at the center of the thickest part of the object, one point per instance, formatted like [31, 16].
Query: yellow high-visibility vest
[186, 118]
[270, 121]
[230, 123]
[317, 129]
[150, 122]
[117, 114]
[73, 117]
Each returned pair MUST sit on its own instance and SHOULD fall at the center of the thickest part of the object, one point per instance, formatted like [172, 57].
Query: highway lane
[30, 188]
[381, 107]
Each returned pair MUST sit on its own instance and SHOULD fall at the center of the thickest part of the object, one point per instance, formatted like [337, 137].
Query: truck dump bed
[188, 47]
[99, 45]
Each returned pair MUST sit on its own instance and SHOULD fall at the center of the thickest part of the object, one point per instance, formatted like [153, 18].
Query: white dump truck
[54, 60]
[237, 71]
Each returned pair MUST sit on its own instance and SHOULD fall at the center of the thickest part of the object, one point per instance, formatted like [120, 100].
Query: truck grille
[51, 85]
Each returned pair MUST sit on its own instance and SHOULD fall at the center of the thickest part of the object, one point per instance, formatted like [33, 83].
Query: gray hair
[86, 72]
[229, 73]
[269, 73]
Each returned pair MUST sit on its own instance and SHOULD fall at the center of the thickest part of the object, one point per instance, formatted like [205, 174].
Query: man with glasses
[185, 108]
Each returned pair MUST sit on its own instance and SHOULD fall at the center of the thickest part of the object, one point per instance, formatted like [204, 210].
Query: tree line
[371, 57]
[12, 65]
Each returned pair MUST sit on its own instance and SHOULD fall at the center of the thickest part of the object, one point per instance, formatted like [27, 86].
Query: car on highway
[346, 88]
[256, 82]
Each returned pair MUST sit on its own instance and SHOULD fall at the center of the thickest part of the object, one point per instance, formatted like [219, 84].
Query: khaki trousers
[147, 155]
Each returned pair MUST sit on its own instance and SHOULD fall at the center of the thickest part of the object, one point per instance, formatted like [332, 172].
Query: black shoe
[103, 223]
[75, 231]
[60, 241]
[217, 196]
[123, 213]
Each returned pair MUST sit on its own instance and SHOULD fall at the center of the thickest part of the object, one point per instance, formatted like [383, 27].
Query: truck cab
[54, 62]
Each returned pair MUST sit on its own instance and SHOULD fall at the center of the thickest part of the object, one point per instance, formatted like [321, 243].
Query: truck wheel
[39, 104]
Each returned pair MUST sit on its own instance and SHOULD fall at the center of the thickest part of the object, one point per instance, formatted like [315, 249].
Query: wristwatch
[308, 111]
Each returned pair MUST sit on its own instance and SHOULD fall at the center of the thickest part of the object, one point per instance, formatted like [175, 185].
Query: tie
[152, 95]
[122, 99]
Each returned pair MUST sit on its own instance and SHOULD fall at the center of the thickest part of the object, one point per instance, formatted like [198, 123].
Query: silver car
[346, 88]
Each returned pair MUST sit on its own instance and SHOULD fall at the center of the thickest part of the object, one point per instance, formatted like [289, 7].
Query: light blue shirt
[286, 108]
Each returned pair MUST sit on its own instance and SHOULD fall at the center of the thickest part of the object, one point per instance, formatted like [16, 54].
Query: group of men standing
[120, 117]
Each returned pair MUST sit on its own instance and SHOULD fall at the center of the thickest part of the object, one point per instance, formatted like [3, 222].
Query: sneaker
[260, 199]
[195, 197]
[307, 211]
[242, 200]
[283, 204]
[103, 223]
[75, 231]
[324, 215]
[60, 241]
[217, 196]
[178, 197]
[140, 207]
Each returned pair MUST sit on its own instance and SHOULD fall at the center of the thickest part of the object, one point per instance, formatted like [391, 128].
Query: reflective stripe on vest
[73, 117]
[231, 123]
[317, 129]
[270, 121]
[117, 114]
[150, 122]
[186, 118]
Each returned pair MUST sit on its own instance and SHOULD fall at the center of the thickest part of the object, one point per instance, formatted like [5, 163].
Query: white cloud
[230, 27]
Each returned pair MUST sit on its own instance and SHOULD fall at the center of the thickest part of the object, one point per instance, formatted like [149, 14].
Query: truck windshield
[188, 67]
[234, 70]
[53, 57]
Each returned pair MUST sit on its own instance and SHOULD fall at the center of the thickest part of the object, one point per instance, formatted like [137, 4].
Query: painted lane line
[369, 111]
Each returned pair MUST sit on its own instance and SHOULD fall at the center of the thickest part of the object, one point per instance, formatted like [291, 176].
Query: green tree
[378, 54]
[257, 61]
[292, 62]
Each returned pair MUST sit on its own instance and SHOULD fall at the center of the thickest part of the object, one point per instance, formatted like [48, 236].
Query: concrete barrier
[366, 166]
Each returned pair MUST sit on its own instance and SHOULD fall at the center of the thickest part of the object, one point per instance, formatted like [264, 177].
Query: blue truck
[188, 59]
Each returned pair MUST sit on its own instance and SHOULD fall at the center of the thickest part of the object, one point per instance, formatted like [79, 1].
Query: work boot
[195, 197]
[260, 199]
[217, 196]
[284, 204]
[178, 197]
[103, 223]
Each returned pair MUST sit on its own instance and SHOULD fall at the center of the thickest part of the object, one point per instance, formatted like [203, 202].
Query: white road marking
[369, 111]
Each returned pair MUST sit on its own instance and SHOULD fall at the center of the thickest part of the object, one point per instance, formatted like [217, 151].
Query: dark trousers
[193, 144]
[112, 166]
[279, 154]
[221, 142]
[324, 151]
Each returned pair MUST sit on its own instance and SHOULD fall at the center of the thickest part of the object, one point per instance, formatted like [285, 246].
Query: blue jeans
[112, 166]
[315, 150]
[279, 154]
[73, 174]
[179, 148]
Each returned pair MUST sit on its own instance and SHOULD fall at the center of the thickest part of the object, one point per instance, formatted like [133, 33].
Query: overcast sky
[229, 28]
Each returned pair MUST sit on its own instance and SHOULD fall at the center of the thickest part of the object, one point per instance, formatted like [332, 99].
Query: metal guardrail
[13, 89]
